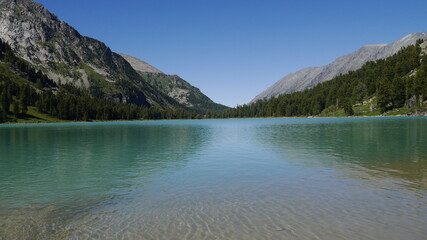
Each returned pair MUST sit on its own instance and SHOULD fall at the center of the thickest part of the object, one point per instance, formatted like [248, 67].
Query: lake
[299, 178]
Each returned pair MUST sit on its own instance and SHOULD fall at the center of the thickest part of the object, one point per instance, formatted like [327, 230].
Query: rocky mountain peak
[28, 27]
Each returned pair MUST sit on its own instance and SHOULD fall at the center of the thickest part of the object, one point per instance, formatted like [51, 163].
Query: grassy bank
[33, 116]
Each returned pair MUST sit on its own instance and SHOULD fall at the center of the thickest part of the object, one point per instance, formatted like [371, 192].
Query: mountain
[396, 85]
[65, 56]
[139, 65]
[311, 76]
[174, 86]
[28, 95]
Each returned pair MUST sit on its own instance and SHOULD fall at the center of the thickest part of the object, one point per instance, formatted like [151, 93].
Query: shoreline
[141, 120]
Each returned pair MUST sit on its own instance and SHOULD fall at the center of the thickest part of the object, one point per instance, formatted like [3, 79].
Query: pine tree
[23, 100]
[16, 109]
[4, 99]
[2, 116]
[383, 94]
[348, 109]
[359, 92]
[24, 107]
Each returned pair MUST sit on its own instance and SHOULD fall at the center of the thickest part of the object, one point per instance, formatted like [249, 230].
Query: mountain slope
[28, 95]
[139, 65]
[65, 56]
[174, 86]
[309, 77]
[396, 85]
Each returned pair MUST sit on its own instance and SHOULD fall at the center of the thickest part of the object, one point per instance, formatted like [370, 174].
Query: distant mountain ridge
[173, 86]
[311, 76]
[66, 56]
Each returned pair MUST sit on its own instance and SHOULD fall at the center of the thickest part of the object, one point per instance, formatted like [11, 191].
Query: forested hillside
[309, 77]
[397, 83]
[26, 94]
[67, 57]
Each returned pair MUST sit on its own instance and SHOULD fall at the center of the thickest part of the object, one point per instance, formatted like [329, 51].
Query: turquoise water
[328, 178]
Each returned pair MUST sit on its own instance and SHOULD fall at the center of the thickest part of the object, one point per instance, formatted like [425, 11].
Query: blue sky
[233, 50]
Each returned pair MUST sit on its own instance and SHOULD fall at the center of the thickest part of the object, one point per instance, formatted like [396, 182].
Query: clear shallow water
[355, 178]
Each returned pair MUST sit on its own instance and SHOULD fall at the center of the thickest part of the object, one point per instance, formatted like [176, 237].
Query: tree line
[395, 81]
[15, 99]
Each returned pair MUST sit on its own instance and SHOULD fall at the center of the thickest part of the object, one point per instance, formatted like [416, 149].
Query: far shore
[136, 120]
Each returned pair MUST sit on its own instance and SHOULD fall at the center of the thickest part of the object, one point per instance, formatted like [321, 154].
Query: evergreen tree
[348, 108]
[359, 92]
[2, 116]
[383, 95]
[16, 109]
[4, 99]
[24, 107]
[24, 101]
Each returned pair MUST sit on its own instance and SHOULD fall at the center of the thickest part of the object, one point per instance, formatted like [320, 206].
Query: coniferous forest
[21, 86]
[393, 83]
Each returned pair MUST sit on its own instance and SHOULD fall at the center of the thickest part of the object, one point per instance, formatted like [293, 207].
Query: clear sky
[234, 49]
